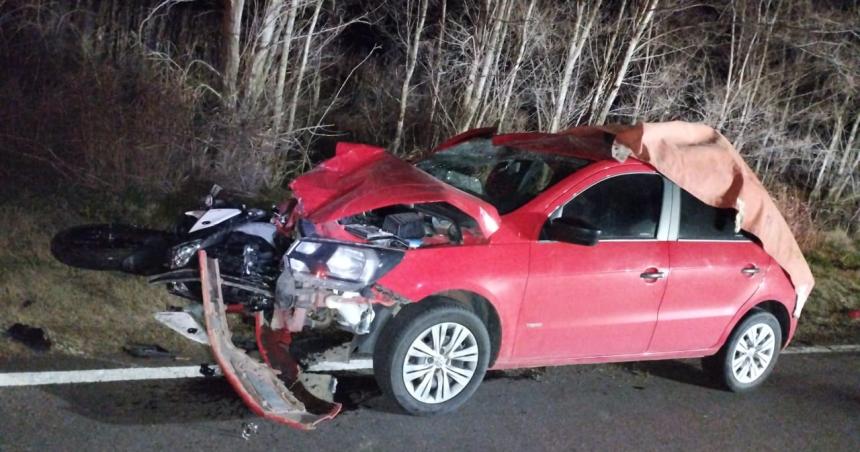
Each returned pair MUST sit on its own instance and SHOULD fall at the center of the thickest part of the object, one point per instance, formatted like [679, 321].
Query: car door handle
[751, 270]
[652, 275]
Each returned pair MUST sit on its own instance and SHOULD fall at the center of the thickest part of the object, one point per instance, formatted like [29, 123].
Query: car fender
[775, 287]
[496, 272]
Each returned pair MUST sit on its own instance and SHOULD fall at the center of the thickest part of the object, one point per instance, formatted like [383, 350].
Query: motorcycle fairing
[213, 217]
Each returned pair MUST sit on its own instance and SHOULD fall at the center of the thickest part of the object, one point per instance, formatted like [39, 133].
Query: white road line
[168, 373]
[331, 366]
[799, 350]
[98, 375]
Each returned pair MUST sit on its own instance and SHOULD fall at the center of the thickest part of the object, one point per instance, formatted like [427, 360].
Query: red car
[487, 256]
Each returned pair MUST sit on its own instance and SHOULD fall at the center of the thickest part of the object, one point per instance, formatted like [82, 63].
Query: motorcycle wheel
[112, 247]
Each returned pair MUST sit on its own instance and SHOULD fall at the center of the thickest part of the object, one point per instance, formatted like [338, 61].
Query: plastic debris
[249, 429]
[147, 351]
[32, 337]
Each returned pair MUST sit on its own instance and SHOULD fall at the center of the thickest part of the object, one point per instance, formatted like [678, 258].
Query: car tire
[749, 355]
[443, 374]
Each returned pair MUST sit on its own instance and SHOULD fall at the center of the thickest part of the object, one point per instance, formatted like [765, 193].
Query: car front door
[715, 270]
[600, 300]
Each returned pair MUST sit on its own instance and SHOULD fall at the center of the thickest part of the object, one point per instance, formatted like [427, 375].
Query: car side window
[700, 221]
[621, 207]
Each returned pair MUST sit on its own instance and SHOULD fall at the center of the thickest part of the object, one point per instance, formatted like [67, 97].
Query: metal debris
[249, 429]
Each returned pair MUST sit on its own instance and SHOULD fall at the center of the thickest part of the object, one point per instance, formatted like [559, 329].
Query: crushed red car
[509, 251]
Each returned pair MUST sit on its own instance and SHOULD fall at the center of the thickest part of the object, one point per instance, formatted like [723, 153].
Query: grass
[82, 312]
[835, 263]
[94, 313]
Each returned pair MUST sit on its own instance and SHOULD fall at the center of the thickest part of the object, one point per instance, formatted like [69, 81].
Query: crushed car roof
[588, 143]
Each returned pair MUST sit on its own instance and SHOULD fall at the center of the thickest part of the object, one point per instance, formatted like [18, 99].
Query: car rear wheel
[432, 357]
[750, 354]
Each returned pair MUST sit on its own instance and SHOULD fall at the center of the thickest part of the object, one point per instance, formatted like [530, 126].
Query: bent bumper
[262, 386]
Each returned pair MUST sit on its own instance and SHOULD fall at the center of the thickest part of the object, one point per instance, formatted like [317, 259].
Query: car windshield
[505, 177]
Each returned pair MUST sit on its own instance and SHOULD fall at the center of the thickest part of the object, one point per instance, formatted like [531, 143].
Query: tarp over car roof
[697, 158]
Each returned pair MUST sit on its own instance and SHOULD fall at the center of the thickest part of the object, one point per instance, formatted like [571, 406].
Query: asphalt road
[811, 402]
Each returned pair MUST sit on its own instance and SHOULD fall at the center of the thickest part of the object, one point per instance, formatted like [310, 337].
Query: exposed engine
[415, 226]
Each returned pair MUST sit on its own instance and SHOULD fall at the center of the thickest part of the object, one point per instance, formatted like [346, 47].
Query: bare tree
[413, 42]
[233, 10]
[291, 116]
[642, 20]
[581, 31]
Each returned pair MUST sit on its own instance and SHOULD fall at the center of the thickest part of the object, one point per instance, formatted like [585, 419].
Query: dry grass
[835, 263]
[83, 312]
[795, 207]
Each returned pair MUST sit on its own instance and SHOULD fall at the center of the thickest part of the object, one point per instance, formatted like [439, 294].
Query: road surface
[811, 402]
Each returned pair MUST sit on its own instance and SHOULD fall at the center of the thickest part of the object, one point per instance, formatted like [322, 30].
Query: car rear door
[601, 300]
[714, 272]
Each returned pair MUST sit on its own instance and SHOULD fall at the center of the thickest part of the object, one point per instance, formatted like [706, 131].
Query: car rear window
[700, 221]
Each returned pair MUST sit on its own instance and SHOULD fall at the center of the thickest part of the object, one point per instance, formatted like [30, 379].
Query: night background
[128, 111]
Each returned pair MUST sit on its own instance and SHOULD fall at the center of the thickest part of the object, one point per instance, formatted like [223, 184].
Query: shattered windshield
[505, 177]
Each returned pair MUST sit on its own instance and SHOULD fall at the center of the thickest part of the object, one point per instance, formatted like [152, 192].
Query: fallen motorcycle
[244, 240]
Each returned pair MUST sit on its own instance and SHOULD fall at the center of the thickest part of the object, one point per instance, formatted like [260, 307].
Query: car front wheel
[432, 357]
[750, 354]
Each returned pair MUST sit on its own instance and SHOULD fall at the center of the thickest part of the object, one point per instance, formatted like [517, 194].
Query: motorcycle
[245, 241]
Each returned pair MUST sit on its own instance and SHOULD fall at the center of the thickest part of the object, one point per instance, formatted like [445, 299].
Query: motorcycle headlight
[182, 253]
[341, 265]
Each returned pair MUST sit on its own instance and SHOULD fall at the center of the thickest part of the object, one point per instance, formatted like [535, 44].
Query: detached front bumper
[273, 389]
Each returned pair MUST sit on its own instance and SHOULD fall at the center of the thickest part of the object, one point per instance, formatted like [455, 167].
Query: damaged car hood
[360, 178]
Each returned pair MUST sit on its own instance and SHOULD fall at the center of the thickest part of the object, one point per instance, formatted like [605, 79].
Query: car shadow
[191, 400]
[681, 371]
[213, 399]
[154, 402]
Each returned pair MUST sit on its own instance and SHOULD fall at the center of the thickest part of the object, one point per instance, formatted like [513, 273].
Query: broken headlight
[182, 253]
[341, 265]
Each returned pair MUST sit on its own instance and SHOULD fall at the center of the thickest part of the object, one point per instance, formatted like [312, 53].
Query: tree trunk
[411, 61]
[643, 24]
[436, 70]
[287, 37]
[232, 32]
[577, 42]
[487, 62]
[512, 78]
[297, 87]
[259, 71]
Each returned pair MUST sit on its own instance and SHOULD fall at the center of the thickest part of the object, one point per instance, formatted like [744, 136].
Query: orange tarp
[702, 161]
[697, 158]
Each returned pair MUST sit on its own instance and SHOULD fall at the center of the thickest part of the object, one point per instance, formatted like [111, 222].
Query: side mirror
[572, 230]
[209, 201]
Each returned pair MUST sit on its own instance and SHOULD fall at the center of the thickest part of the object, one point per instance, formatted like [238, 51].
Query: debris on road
[147, 351]
[32, 337]
[249, 429]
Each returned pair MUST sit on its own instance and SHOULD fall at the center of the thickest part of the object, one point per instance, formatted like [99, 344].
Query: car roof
[594, 145]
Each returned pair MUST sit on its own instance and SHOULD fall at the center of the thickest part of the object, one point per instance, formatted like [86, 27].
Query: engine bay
[412, 226]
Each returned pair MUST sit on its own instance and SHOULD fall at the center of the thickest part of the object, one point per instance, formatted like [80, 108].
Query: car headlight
[341, 265]
[182, 253]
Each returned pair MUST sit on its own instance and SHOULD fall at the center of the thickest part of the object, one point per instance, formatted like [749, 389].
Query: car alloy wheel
[432, 356]
[753, 352]
[440, 363]
[749, 355]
